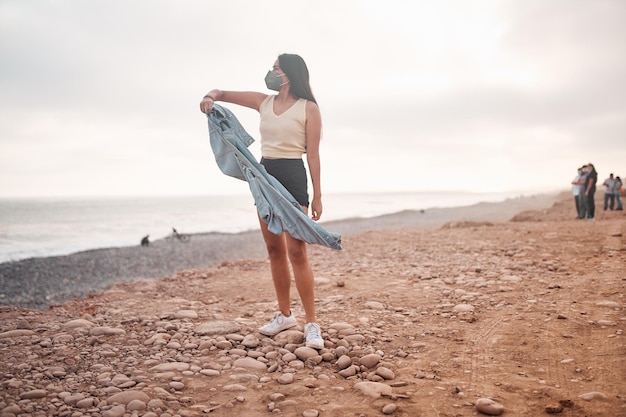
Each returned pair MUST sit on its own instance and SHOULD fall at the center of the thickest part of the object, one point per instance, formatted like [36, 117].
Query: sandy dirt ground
[528, 313]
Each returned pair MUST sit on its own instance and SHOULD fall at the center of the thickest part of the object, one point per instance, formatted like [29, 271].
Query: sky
[101, 97]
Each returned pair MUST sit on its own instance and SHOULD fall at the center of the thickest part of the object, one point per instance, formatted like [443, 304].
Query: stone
[463, 308]
[186, 314]
[73, 399]
[235, 387]
[77, 324]
[304, 353]
[126, 397]
[85, 403]
[489, 406]
[250, 363]
[289, 336]
[106, 331]
[607, 303]
[510, 278]
[554, 408]
[385, 373]
[373, 389]
[216, 327]
[371, 360]
[277, 397]
[170, 366]
[593, 395]
[16, 333]
[343, 362]
[349, 371]
[115, 411]
[285, 379]
[177, 385]
[32, 394]
[374, 305]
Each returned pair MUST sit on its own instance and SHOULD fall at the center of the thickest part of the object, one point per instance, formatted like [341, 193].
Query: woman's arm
[313, 136]
[251, 99]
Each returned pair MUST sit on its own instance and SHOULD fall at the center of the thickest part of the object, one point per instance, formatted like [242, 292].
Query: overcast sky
[100, 97]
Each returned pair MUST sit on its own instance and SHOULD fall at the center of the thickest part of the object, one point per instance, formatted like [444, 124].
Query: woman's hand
[316, 208]
[206, 105]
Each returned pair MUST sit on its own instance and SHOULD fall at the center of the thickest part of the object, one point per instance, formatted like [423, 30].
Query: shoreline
[38, 283]
[48, 228]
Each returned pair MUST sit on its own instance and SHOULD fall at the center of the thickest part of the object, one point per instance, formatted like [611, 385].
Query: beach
[512, 308]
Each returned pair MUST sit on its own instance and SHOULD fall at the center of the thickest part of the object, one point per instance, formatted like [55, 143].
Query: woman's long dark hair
[297, 72]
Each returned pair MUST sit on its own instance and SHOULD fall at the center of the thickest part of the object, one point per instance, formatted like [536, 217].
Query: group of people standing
[584, 190]
[613, 193]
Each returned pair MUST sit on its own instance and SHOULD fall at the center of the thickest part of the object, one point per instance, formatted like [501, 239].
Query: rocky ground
[516, 318]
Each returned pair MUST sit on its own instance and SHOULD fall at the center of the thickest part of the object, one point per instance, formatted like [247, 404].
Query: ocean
[41, 227]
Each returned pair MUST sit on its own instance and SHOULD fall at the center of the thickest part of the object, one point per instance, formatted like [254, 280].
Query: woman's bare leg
[303, 275]
[279, 265]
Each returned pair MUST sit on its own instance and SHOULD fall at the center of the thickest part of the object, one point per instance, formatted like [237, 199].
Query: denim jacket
[276, 206]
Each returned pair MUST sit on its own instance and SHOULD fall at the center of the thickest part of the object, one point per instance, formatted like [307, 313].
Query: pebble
[371, 360]
[593, 395]
[126, 397]
[250, 363]
[305, 353]
[186, 314]
[385, 373]
[374, 305]
[36, 393]
[343, 362]
[607, 303]
[489, 406]
[235, 387]
[373, 389]
[106, 331]
[77, 324]
[217, 327]
[285, 379]
[462, 308]
[510, 278]
[171, 366]
[350, 371]
[115, 411]
[16, 333]
[178, 386]
[554, 408]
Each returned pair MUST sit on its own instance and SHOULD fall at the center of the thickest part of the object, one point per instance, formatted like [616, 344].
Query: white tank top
[283, 136]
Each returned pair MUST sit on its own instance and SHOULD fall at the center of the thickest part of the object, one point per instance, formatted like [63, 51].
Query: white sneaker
[278, 324]
[313, 336]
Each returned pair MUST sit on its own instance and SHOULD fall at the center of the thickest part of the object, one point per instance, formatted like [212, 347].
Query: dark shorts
[291, 174]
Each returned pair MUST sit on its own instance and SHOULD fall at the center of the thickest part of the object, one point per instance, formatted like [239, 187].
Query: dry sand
[524, 309]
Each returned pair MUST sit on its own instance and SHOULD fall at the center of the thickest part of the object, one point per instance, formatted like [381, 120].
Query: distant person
[609, 192]
[578, 190]
[290, 125]
[617, 188]
[590, 190]
[145, 241]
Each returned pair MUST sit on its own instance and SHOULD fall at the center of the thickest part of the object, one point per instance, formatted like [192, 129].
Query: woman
[590, 190]
[290, 125]
[618, 193]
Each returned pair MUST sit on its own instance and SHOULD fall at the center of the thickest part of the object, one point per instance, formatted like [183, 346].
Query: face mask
[273, 80]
